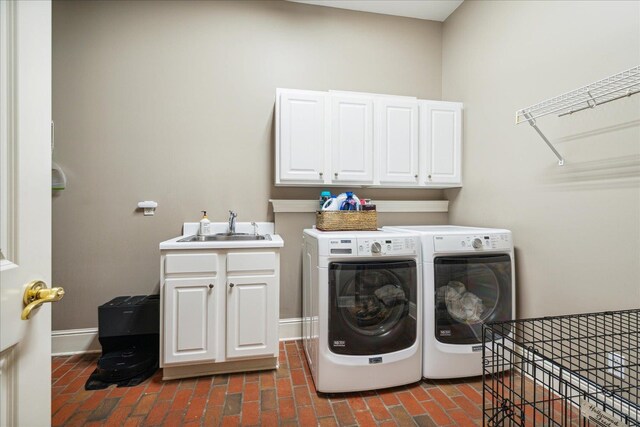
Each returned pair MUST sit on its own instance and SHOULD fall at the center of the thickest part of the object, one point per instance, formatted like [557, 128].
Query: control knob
[477, 243]
[376, 247]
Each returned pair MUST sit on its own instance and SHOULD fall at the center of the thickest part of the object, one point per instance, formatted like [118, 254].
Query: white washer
[362, 311]
[468, 279]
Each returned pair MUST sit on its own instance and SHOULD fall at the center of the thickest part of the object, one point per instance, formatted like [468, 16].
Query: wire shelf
[563, 370]
[618, 86]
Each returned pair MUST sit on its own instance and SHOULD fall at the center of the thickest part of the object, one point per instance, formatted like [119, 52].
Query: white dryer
[362, 312]
[468, 279]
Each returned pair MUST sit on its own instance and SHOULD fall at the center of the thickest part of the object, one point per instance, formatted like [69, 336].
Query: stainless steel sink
[225, 237]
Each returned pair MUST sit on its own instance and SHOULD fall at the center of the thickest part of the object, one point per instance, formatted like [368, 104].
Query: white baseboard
[290, 329]
[79, 341]
[75, 341]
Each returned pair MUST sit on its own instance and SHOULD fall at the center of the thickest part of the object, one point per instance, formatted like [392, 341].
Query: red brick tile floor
[285, 397]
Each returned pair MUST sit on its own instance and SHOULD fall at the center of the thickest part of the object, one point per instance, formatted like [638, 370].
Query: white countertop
[191, 228]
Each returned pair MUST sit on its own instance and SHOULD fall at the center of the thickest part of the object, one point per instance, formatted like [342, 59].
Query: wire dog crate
[576, 370]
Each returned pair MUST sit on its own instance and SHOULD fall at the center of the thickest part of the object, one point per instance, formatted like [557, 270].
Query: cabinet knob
[231, 285]
[320, 173]
[429, 176]
[210, 285]
[335, 174]
[415, 176]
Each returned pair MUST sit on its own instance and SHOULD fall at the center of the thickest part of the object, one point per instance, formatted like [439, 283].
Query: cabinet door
[351, 139]
[398, 141]
[252, 316]
[301, 137]
[191, 319]
[441, 137]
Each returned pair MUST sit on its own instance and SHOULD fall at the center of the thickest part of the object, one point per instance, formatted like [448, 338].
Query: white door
[191, 319]
[398, 141]
[441, 137]
[25, 210]
[252, 316]
[351, 139]
[301, 137]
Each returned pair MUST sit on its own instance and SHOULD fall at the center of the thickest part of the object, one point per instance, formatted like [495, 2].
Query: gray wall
[174, 102]
[576, 227]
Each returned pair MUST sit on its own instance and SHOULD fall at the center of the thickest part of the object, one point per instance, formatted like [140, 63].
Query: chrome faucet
[232, 222]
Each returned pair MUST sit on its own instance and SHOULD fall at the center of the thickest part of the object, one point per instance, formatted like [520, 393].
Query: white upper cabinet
[398, 141]
[362, 139]
[351, 139]
[441, 136]
[302, 135]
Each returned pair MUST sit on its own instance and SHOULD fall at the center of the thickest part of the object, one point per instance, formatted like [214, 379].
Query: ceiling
[433, 10]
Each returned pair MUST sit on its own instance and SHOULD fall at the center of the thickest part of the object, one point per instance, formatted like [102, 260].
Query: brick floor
[284, 397]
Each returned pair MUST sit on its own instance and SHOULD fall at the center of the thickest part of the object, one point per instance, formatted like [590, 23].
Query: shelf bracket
[533, 124]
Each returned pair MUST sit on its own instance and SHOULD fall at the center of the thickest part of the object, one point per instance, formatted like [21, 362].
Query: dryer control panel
[390, 246]
[472, 242]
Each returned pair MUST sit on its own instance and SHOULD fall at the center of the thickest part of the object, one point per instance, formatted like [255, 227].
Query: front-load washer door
[372, 307]
[470, 290]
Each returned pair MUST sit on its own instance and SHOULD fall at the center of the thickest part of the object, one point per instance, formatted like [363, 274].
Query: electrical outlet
[615, 362]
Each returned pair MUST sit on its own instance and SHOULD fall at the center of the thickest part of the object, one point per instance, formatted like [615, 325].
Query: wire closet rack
[621, 85]
[574, 370]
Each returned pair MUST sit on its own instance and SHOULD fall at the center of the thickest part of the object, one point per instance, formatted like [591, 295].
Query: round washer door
[470, 290]
[372, 306]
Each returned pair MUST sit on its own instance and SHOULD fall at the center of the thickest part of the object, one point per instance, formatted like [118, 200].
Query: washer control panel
[374, 246]
[472, 242]
[387, 246]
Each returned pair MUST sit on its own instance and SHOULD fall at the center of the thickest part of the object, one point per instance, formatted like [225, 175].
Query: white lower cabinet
[223, 320]
[250, 312]
[191, 319]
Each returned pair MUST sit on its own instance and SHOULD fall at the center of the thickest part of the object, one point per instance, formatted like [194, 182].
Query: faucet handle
[233, 214]
[255, 228]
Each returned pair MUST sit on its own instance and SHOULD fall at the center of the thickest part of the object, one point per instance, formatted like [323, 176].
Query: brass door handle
[37, 294]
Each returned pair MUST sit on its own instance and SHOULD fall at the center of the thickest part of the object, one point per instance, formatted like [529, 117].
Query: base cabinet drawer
[245, 262]
[202, 264]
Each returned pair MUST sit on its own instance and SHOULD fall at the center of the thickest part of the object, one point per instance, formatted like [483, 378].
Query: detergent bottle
[331, 204]
[350, 202]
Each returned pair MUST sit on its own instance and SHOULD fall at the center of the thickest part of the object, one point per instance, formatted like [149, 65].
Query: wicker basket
[346, 220]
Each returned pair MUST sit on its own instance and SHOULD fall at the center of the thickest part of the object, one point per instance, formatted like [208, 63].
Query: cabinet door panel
[443, 142]
[351, 139]
[398, 136]
[190, 320]
[302, 137]
[252, 316]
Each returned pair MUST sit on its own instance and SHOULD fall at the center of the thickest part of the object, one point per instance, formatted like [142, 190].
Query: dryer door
[372, 306]
[470, 290]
